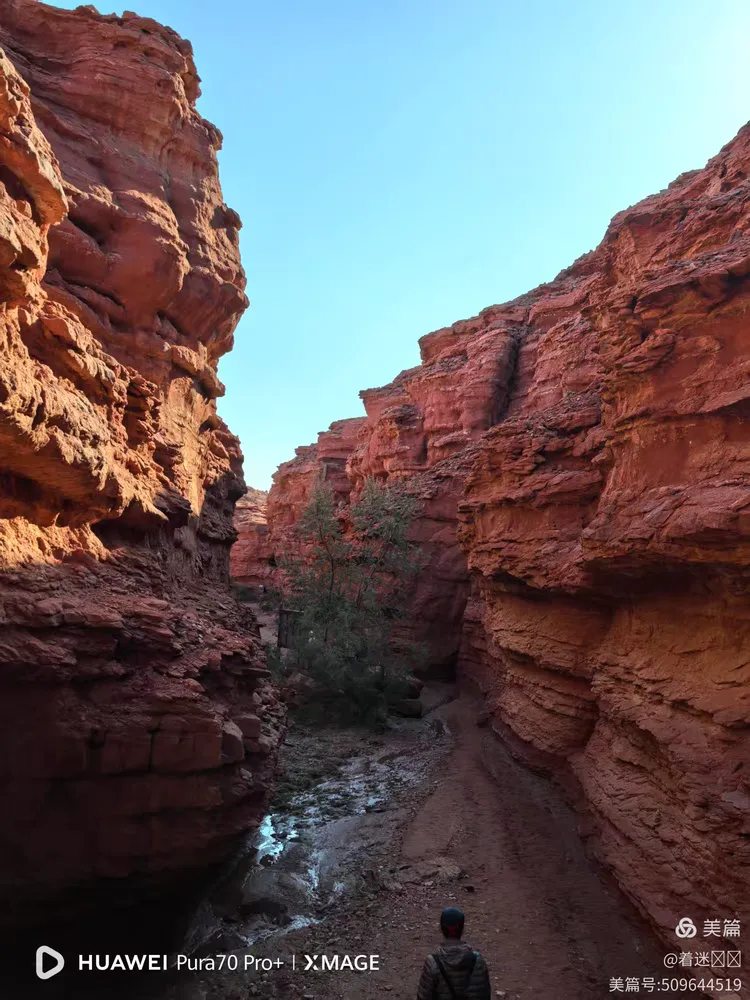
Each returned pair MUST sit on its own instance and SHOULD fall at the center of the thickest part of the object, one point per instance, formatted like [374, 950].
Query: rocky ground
[482, 833]
[268, 622]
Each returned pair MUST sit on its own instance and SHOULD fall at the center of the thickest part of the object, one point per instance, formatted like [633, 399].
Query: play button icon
[43, 952]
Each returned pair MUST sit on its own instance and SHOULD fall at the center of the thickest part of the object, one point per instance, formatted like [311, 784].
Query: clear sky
[401, 164]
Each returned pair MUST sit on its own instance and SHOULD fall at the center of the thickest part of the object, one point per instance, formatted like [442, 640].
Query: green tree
[350, 579]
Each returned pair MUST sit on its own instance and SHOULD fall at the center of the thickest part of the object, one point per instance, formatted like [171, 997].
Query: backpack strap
[441, 969]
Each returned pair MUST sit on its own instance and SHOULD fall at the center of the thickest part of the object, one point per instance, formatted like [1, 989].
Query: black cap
[452, 922]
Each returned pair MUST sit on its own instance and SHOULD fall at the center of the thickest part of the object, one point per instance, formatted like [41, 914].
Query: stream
[303, 859]
[365, 842]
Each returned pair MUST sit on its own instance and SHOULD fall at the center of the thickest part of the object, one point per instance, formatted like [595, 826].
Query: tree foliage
[350, 580]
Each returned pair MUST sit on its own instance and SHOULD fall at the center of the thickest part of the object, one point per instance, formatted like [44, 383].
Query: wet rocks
[327, 836]
[277, 895]
[123, 658]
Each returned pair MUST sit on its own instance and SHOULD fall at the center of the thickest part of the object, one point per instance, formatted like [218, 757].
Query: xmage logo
[338, 963]
[43, 952]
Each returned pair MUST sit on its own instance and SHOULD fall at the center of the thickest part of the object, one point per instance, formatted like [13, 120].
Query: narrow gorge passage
[552, 503]
[551, 923]
[547, 919]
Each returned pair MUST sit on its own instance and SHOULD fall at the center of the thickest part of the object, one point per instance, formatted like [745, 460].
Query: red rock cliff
[583, 454]
[130, 682]
[251, 561]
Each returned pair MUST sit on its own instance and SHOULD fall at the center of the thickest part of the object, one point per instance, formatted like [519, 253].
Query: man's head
[452, 923]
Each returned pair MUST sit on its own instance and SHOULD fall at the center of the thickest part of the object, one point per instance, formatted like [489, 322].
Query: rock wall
[584, 458]
[137, 726]
[251, 560]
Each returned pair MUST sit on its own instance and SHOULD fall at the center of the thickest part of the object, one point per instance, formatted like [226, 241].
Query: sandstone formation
[583, 457]
[137, 726]
[251, 560]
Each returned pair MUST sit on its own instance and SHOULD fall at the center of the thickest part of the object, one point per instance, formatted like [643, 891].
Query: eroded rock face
[251, 561]
[605, 520]
[584, 458]
[265, 527]
[123, 660]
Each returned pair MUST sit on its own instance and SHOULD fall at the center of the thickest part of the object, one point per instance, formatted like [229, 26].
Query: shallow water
[298, 864]
[291, 872]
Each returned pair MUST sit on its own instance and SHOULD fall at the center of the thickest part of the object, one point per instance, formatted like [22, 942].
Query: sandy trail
[546, 918]
[547, 922]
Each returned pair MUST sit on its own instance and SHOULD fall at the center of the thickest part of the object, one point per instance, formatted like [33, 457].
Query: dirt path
[456, 822]
[548, 922]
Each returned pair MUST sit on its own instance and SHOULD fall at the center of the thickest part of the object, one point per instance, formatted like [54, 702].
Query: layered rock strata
[583, 454]
[137, 725]
[251, 561]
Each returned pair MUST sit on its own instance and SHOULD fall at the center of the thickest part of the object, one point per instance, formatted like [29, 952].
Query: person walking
[455, 971]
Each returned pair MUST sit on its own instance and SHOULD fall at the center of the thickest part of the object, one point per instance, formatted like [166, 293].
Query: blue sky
[401, 164]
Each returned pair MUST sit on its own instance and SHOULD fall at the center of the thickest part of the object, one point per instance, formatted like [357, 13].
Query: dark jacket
[456, 958]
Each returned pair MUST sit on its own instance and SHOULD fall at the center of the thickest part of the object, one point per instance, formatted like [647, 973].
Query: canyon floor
[486, 834]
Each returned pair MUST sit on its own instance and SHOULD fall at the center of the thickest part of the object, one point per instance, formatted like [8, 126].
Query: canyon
[582, 460]
[138, 727]
[580, 455]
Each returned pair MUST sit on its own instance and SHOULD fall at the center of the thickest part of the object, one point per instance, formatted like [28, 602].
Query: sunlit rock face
[251, 561]
[124, 662]
[583, 458]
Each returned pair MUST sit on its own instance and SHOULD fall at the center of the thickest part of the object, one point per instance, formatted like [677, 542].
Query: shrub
[350, 579]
